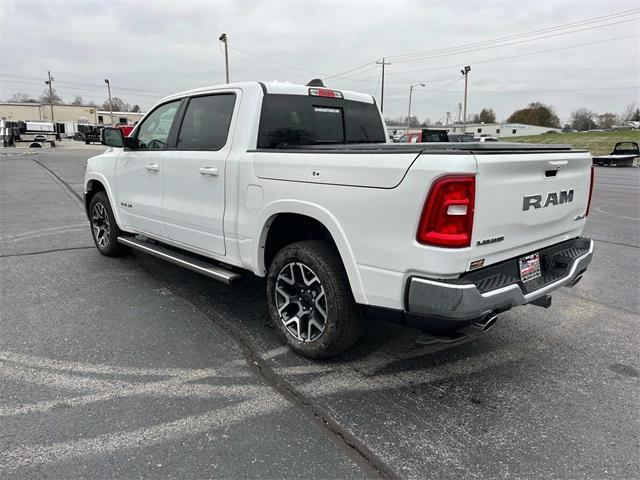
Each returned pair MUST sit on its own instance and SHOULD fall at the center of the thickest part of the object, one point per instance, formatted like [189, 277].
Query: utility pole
[223, 39]
[50, 83]
[465, 72]
[383, 63]
[106, 80]
[410, 94]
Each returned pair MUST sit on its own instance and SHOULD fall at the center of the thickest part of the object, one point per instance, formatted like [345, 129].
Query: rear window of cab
[290, 120]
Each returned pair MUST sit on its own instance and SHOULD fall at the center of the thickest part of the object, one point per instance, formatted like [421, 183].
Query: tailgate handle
[550, 173]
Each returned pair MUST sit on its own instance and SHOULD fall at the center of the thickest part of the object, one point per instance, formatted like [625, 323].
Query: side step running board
[184, 260]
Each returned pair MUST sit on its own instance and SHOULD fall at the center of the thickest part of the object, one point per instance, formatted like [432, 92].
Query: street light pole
[223, 39]
[50, 83]
[106, 80]
[410, 95]
[465, 72]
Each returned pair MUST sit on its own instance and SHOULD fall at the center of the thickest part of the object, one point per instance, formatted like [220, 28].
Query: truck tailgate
[525, 201]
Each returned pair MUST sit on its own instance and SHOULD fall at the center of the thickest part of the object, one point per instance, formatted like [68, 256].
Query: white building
[501, 130]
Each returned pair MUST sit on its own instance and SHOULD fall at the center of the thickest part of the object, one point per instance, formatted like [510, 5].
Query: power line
[451, 50]
[273, 61]
[84, 84]
[500, 92]
[400, 58]
[427, 81]
[82, 90]
[516, 56]
[339, 74]
[517, 42]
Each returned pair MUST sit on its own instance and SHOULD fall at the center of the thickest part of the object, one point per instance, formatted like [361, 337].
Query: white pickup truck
[298, 183]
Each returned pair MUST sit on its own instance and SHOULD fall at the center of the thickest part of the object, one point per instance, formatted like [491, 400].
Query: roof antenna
[316, 82]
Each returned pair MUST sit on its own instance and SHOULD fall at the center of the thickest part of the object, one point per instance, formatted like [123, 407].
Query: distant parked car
[461, 137]
[92, 135]
[485, 139]
[628, 125]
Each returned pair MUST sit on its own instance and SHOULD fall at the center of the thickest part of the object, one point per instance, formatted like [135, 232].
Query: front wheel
[310, 300]
[104, 228]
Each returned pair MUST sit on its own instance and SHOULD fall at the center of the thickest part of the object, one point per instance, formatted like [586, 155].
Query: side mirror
[112, 137]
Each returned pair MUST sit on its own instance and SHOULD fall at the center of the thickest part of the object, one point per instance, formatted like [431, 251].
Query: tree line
[117, 104]
[540, 114]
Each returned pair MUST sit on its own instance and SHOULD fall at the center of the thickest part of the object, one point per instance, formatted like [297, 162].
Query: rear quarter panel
[374, 227]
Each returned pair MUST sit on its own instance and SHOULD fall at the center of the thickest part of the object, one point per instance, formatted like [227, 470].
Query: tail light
[447, 216]
[593, 173]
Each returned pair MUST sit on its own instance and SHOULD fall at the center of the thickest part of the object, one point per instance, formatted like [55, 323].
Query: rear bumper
[497, 288]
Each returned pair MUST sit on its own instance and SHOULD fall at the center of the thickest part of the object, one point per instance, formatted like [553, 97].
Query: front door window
[154, 130]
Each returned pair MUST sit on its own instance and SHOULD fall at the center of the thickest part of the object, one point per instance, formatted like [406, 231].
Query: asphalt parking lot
[132, 367]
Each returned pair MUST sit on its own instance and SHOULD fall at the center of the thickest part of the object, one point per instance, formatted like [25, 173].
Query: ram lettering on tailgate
[553, 198]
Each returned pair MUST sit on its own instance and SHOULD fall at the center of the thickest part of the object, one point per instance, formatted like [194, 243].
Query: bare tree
[607, 120]
[119, 105]
[47, 97]
[629, 111]
[21, 97]
[583, 119]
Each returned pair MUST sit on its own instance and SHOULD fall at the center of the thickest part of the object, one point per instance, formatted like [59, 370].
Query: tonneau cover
[434, 147]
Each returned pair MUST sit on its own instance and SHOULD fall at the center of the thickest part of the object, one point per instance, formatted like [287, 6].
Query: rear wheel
[310, 301]
[104, 228]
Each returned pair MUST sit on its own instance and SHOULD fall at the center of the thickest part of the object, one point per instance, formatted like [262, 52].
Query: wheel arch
[303, 215]
[97, 183]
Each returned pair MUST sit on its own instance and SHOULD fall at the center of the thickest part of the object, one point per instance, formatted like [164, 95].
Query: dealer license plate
[530, 267]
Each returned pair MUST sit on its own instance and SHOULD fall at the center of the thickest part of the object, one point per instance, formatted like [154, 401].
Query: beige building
[77, 114]
[16, 112]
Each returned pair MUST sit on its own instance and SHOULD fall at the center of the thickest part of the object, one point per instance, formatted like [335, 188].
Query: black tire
[342, 323]
[104, 229]
[87, 142]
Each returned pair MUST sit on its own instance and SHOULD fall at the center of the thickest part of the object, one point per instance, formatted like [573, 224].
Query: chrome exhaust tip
[486, 323]
[577, 279]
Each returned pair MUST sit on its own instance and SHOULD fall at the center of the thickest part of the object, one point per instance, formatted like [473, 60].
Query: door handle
[209, 171]
[152, 167]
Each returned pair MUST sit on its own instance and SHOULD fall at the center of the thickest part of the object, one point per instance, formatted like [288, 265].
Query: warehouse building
[68, 117]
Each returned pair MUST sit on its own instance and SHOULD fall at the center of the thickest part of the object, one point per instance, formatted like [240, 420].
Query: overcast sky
[151, 49]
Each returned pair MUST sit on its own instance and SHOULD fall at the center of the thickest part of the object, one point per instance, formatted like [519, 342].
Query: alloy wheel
[301, 302]
[100, 224]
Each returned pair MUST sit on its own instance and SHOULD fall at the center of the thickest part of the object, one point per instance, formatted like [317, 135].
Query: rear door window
[206, 122]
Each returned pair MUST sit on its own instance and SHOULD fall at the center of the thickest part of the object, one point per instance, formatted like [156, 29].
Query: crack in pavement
[44, 252]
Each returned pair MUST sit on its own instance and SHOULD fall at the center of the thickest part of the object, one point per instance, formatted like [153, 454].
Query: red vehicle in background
[424, 135]
[126, 129]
